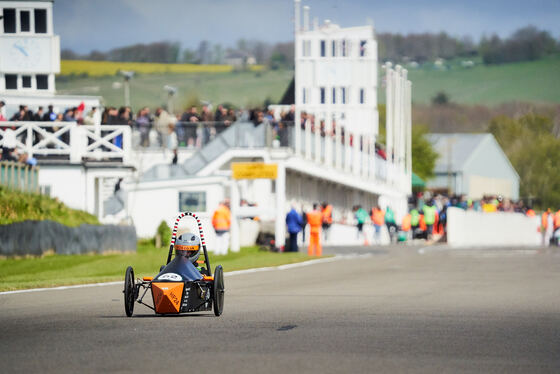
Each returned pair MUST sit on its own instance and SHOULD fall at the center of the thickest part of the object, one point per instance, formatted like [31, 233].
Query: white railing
[357, 157]
[77, 142]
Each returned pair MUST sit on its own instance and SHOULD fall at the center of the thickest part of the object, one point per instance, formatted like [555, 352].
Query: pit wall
[477, 229]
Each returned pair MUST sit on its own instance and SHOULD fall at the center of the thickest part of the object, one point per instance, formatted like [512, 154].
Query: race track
[397, 310]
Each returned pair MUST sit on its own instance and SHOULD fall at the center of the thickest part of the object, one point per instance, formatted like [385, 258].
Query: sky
[85, 25]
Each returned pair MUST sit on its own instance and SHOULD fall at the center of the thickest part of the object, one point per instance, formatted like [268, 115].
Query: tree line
[525, 44]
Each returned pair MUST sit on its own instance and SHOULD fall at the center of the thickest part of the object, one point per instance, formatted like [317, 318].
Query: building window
[362, 96]
[9, 20]
[304, 96]
[334, 95]
[343, 95]
[40, 21]
[42, 82]
[333, 44]
[323, 48]
[322, 95]
[26, 81]
[362, 48]
[25, 24]
[344, 45]
[11, 81]
[192, 201]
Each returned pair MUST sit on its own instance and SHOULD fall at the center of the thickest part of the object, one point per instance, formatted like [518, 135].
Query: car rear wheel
[129, 291]
[218, 290]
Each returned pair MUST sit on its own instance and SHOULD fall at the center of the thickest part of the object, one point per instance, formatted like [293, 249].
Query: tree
[423, 155]
[189, 56]
[441, 98]
[532, 148]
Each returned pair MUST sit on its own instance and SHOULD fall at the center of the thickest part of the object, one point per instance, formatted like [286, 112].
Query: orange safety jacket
[315, 220]
[221, 220]
[326, 214]
[406, 222]
[378, 217]
[556, 220]
[422, 223]
[544, 220]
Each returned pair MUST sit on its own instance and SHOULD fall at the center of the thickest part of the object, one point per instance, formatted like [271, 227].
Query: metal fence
[19, 176]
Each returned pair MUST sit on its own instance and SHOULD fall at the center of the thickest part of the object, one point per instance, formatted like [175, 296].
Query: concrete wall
[38, 237]
[473, 229]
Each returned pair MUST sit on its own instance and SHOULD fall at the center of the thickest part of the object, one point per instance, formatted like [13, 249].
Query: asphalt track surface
[395, 310]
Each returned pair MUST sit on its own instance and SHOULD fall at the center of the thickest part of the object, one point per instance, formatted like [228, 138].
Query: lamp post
[127, 75]
[171, 91]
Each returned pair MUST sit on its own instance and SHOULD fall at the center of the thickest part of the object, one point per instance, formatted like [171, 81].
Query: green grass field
[239, 88]
[58, 270]
[535, 81]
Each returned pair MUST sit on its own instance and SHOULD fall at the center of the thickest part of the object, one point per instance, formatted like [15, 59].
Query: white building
[30, 58]
[336, 74]
[336, 83]
[473, 165]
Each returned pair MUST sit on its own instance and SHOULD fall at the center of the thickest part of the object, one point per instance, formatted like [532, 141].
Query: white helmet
[188, 245]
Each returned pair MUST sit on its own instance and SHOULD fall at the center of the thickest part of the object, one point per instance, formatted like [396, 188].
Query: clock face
[27, 54]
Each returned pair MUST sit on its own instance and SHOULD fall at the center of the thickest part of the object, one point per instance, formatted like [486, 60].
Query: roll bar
[201, 234]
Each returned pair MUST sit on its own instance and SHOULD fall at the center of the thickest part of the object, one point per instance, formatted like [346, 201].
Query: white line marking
[229, 273]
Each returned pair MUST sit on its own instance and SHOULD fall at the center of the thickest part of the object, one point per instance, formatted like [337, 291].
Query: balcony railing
[68, 141]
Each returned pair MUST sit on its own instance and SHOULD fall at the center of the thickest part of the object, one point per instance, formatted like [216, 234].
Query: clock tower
[29, 50]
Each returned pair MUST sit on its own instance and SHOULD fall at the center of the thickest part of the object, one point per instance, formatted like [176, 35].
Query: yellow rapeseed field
[100, 68]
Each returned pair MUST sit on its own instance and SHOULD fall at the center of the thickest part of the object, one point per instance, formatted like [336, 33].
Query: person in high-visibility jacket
[315, 221]
[221, 220]
[326, 214]
[414, 221]
[378, 219]
[406, 225]
[545, 229]
[430, 212]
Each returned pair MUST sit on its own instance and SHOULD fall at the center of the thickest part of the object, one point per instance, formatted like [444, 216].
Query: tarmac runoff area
[385, 309]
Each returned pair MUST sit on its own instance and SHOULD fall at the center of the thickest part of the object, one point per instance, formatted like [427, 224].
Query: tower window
[362, 96]
[343, 95]
[333, 44]
[9, 20]
[25, 25]
[323, 48]
[304, 96]
[334, 95]
[11, 81]
[26, 81]
[41, 21]
[362, 48]
[42, 82]
[322, 95]
[344, 46]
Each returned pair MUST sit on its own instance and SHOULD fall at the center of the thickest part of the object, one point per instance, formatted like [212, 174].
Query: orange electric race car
[185, 284]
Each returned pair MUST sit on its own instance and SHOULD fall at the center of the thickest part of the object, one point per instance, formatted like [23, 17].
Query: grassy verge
[58, 270]
[16, 206]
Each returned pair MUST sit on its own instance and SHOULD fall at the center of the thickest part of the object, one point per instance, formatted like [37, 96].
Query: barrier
[477, 229]
[37, 237]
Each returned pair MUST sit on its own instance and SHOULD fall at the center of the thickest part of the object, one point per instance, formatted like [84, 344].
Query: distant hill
[536, 81]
